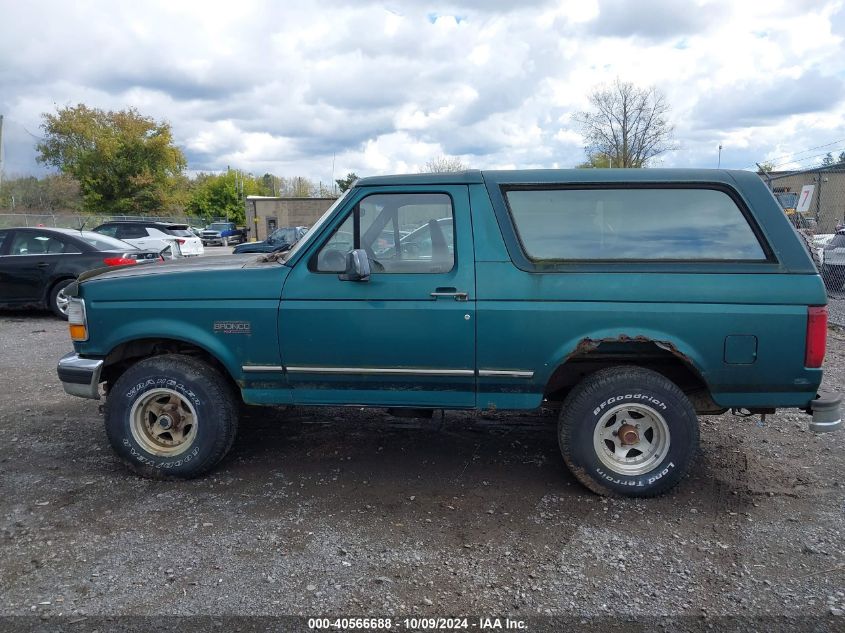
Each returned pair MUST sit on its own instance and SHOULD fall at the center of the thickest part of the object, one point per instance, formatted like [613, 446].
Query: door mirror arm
[357, 266]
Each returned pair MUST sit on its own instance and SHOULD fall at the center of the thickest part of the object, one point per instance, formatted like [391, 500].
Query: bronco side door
[406, 335]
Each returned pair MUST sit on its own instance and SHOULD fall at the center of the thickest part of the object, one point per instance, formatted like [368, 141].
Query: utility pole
[719, 163]
[1, 151]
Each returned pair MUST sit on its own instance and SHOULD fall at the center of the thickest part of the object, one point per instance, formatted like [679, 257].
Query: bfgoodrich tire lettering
[171, 417]
[628, 431]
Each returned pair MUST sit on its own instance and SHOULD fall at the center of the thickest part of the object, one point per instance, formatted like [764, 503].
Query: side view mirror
[357, 266]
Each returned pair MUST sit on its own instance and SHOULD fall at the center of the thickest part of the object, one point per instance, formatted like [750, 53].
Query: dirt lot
[351, 512]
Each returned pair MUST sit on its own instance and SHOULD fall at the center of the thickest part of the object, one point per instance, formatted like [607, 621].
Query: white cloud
[290, 88]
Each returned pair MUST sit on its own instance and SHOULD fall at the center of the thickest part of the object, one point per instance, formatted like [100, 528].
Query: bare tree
[628, 125]
[444, 163]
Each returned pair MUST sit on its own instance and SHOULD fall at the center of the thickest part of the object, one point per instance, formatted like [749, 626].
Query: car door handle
[450, 292]
[42, 265]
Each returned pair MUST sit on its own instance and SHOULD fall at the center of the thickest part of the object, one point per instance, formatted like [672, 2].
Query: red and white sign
[805, 198]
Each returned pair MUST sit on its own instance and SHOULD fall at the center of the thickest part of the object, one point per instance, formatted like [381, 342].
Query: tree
[767, 167]
[841, 159]
[54, 192]
[344, 183]
[124, 162]
[444, 163]
[627, 125]
[596, 161]
[223, 195]
[827, 161]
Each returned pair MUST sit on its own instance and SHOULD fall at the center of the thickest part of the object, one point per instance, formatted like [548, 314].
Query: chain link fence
[814, 200]
[88, 221]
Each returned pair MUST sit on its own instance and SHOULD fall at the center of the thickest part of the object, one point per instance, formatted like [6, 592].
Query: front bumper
[80, 376]
[827, 412]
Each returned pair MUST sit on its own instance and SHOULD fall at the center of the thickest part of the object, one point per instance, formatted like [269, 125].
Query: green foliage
[827, 161]
[767, 167]
[596, 160]
[223, 195]
[345, 183]
[125, 163]
[841, 158]
[56, 192]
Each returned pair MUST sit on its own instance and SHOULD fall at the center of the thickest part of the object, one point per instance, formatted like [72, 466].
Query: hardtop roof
[560, 176]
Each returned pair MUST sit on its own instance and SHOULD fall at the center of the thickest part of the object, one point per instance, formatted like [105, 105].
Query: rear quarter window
[632, 224]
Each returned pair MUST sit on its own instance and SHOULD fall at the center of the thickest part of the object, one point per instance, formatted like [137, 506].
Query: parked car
[633, 300]
[154, 235]
[223, 234]
[833, 261]
[37, 264]
[278, 240]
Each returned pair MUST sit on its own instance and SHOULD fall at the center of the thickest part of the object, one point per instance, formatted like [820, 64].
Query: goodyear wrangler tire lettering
[628, 431]
[171, 417]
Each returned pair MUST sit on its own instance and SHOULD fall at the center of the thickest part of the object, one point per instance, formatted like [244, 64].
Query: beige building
[827, 206]
[265, 214]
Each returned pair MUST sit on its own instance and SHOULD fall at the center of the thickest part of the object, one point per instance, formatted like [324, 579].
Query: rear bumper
[80, 376]
[826, 410]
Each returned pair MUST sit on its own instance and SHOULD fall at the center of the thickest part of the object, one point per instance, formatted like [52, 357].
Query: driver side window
[401, 233]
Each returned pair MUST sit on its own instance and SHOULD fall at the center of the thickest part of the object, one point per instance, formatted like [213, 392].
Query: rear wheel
[628, 431]
[171, 417]
[57, 299]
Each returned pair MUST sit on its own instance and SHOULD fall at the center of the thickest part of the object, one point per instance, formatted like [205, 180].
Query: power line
[842, 140]
[806, 158]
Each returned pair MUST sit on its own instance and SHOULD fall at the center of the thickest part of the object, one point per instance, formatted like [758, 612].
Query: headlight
[77, 319]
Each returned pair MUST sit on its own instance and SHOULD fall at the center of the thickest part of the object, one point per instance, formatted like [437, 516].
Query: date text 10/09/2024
[416, 624]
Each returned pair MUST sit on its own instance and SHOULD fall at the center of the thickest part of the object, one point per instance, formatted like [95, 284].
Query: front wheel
[171, 417]
[628, 431]
[57, 299]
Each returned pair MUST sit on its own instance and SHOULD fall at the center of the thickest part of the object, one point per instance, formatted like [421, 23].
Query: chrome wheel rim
[163, 422]
[62, 301]
[631, 439]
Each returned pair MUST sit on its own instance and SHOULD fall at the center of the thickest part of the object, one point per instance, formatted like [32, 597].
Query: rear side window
[632, 224]
[131, 232]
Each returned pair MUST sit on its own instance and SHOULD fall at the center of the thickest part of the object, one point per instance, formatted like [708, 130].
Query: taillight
[816, 336]
[119, 261]
[181, 241]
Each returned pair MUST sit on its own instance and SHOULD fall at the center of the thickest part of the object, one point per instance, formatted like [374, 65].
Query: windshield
[220, 226]
[285, 235]
[181, 233]
[787, 200]
[104, 242]
[318, 225]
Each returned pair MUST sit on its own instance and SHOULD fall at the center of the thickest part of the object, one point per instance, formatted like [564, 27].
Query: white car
[833, 261]
[155, 235]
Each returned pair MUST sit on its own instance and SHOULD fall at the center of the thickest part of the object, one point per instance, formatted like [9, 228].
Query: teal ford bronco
[635, 300]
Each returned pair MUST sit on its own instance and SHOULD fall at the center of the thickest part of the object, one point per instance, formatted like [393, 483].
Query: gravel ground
[354, 512]
[836, 308]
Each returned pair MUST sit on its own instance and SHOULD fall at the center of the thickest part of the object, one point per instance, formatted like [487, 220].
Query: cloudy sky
[382, 87]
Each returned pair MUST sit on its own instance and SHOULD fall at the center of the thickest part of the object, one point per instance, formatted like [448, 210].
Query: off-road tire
[600, 393]
[202, 387]
[53, 298]
[807, 242]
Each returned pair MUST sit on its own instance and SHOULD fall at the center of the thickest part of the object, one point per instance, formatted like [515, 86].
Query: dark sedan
[37, 264]
[279, 240]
